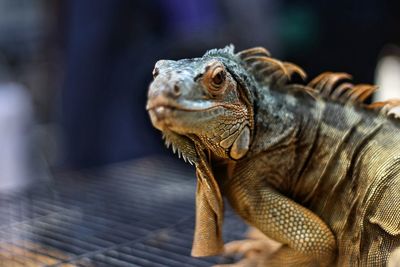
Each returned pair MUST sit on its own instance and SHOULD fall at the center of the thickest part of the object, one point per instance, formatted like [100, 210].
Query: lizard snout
[166, 86]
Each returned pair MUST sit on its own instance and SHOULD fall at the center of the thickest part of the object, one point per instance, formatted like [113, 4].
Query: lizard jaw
[160, 117]
[181, 117]
[181, 121]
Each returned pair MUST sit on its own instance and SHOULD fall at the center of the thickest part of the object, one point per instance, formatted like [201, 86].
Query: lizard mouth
[167, 114]
[163, 103]
[161, 111]
[160, 115]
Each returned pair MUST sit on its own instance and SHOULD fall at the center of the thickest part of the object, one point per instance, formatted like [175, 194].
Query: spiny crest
[335, 86]
[266, 69]
[388, 108]
[227, 52]
[328, 85]
[182, 146]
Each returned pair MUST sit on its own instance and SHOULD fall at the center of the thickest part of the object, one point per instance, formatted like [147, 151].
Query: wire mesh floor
[138, 213]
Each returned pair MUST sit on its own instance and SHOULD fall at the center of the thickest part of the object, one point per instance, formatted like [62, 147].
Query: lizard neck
[294, 134]
[298, 142]
[284, 129]
[283, 120]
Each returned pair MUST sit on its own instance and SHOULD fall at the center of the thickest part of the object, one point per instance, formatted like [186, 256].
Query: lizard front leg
[306, 239]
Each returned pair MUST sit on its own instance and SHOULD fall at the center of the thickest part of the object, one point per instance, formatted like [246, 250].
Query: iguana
[310, 165]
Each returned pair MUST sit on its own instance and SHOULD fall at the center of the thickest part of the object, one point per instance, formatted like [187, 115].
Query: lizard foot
[255, 250]
[394, 260]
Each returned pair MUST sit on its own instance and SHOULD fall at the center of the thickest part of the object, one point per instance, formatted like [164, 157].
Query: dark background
[87, 64]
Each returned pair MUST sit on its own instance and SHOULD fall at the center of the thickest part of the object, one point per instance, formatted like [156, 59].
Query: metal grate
[138, 213]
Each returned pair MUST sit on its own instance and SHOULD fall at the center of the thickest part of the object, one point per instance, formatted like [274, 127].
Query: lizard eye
[218, 77]
[215, 78]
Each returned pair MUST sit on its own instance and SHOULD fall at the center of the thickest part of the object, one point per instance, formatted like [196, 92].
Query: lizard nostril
[176, 90]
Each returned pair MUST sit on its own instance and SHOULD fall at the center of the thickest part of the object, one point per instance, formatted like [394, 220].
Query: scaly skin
[309, 166]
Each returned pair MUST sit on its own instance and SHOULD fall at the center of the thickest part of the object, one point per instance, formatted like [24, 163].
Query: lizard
[310, 165]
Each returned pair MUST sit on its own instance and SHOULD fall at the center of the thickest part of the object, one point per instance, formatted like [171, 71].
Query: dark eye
[214, 78]
[218, 77]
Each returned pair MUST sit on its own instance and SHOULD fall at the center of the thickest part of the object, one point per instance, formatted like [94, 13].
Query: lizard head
[200, 102]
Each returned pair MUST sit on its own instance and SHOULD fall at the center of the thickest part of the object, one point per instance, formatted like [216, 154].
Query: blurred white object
[388, 78]
[15, 125]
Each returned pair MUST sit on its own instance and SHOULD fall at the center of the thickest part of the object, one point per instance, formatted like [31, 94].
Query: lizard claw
[394, 259]
[248, 247]
[242, 263]
[255, 250]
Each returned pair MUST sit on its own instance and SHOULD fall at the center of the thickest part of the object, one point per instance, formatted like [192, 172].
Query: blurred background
[74, 74]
